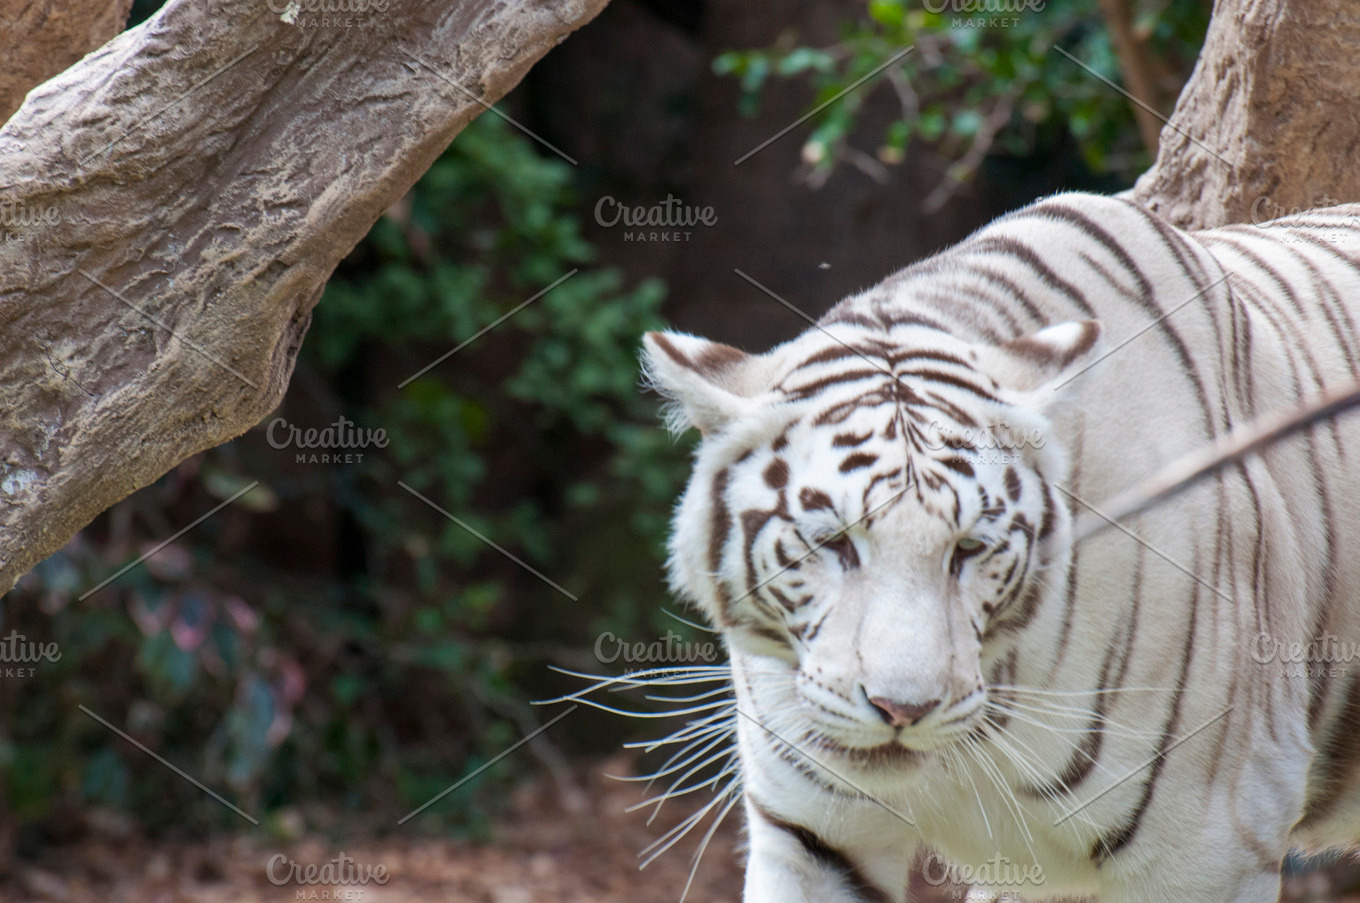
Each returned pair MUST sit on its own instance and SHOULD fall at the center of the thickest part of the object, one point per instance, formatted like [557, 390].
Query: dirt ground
[550, 847]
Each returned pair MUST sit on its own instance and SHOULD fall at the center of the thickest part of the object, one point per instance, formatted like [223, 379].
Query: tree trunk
[172, 205]
[1268, 123]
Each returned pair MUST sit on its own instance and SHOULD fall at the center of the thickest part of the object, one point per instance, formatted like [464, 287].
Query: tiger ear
[711, 383]
[1051, 357]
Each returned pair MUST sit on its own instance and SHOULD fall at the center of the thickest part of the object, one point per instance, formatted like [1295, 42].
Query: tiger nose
[902, 714]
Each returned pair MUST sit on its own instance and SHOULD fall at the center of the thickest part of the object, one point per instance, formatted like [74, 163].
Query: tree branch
[174, 205]
[39, 38]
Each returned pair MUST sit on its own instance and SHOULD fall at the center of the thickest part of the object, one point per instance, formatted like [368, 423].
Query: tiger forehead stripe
[777, 474]
[845, 376]
[834, 353]
[857, 461]
[957, 382]
[850, 440]
[915, 354]
[814, 499]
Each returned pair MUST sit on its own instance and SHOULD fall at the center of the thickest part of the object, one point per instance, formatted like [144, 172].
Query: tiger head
[869, 518]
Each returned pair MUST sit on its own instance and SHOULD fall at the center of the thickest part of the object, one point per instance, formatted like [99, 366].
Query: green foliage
[372, 684]
[975, 81]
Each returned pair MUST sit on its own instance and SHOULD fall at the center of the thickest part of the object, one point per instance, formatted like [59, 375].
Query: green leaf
[804, 58]
[168, 669]
[890, 13]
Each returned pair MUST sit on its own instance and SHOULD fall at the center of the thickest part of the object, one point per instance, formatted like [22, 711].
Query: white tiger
[879, 522]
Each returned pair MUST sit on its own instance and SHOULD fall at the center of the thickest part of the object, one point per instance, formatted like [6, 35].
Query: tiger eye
[844, 547]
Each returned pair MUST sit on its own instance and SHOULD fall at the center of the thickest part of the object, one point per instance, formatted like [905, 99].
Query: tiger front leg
[790, 863]
[1262, 886]
[1233, 856]
[1225, 846]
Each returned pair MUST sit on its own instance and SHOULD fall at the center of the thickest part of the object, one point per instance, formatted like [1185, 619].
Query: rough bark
[1268, 122]
[39, 38]
[171, 206]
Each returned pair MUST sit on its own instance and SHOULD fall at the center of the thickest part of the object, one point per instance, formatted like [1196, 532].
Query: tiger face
[869, 519]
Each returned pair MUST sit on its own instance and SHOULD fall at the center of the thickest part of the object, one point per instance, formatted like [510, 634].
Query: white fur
[897, 625]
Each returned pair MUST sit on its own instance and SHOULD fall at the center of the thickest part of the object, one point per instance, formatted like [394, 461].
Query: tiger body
[879, 522]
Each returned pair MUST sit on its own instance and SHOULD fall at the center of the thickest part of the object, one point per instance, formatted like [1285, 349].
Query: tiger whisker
[1027, 720]
[686, 621]
[1107, 724]
[652, 677]
[669, 839]
[671, 714]
[1006, 792]
[694, 698]
[1092, 692]
[679, 736]
[968, 773]
[691, 772]
[646, 674]
[720, 731]
[671, 793]
[703, 845]
[670, 766]
[1040, 782]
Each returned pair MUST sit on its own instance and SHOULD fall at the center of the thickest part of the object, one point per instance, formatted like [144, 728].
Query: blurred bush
[328, 644]
[984, 79]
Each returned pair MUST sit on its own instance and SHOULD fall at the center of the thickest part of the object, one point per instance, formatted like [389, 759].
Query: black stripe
[836, 315]
[807, 390]
[1110, 843]
[1327, 292]
[720, 519]
[906, 319]
[850, 440]
[1010, 287]
[924, 355]
[1091, 229]
[827, 856]
[814, 499]
[777, 474]
[834, 353]
[1176, 243]
[1028, 256]
[950, 380]
[858, 461]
